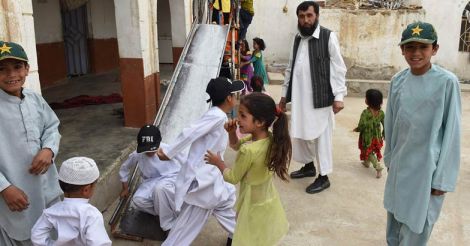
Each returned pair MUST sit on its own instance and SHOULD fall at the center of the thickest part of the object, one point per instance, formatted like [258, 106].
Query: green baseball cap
[10, 50]
[421, 32]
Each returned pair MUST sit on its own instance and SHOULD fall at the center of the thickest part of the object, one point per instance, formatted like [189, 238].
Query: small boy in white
[155, 195]
[200, 188]
[73, 221]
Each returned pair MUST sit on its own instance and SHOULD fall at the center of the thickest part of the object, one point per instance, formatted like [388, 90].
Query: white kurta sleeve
[337, 69]
[447, 168]
[50, 137]
[126, 166]
[288, 71]
[95, 231]
[40, 233]
[190, 134]
[4, 183]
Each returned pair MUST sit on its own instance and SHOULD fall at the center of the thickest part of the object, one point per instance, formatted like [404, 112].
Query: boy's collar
[10, 98]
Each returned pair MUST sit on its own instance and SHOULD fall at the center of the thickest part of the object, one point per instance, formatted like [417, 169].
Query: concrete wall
[102, 37]
[368, 38]
[164, 32]
[446, 17]
[48, 21]
[17, 25]
[181, 18]
[102, 19]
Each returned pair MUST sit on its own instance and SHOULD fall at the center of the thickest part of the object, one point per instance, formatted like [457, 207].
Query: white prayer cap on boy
[79, 171]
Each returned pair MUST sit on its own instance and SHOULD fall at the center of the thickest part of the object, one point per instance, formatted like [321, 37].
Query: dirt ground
[351, 212]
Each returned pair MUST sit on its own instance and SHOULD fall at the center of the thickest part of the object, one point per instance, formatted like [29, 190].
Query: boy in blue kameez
[422, 129]
[30, 140]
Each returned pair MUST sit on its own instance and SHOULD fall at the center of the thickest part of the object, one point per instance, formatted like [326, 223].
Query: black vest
[319, 69]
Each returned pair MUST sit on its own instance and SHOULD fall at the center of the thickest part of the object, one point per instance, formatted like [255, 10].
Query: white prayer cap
[79, 171]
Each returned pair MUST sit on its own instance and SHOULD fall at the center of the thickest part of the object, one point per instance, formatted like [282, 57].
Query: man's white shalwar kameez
[156, 194]
[200, 188]
[312, 128]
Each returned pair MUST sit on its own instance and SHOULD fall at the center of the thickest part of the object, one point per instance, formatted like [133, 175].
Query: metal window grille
[464, 44]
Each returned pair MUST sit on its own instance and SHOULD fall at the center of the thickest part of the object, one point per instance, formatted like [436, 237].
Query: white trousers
[319, 149]
[158, 198]
[192, 219]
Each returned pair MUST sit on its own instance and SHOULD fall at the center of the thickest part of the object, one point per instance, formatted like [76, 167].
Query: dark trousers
[245, 21]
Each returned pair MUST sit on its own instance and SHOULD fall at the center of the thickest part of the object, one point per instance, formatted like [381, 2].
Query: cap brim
[143, 149]
[237, 85]
[419, 40]
[13, 57]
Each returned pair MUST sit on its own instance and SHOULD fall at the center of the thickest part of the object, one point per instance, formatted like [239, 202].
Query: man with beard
[315, 85]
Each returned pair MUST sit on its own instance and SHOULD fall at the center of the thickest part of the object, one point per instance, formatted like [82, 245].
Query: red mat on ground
[84, 100]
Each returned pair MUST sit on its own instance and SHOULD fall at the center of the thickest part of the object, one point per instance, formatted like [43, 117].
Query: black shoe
[229, 241]
[318, 185]
[308, 170]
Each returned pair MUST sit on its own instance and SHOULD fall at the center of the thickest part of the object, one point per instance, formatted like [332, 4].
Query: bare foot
[379, 174]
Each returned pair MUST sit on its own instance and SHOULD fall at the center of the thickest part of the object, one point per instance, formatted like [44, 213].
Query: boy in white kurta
[30, 140]
[422, 131]
[200, 188]
[156, 194]
[73, 221]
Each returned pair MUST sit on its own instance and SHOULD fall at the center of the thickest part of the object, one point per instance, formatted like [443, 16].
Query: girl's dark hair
[374, 98]
[247, 45]
[69, 188]
[307, 4]
[257, 83]
[263, 108]
[260, 43]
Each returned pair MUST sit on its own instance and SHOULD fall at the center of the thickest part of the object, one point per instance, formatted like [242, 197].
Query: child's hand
[435, 192]
[15, 198]
[231, 126]
[124, 193]
[41, 162]
[161, 155]
[212, 158]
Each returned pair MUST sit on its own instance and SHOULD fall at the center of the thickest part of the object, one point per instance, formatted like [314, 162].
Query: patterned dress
[371, 134]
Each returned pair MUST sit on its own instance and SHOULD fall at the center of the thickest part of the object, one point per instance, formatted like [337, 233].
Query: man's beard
[307, 30]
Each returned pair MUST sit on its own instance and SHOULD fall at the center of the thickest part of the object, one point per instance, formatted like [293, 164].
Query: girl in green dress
[257, 60]
[370, 130]
[261, 219]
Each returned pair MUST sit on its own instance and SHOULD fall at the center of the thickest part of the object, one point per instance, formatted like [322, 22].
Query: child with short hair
[30, 135]
[156, 193]
[257, 59]
[201, 189]
[371, 132]
[73, 221]
[263, 154]
[422, 130]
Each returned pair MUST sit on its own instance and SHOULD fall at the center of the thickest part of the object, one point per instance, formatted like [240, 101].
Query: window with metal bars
[464, 44]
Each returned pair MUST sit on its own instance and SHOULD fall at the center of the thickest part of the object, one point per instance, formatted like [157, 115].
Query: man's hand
[41, 162]
[231, 126]
[337, 106]
[161, 155]
[15, 198]
[282, 104]
[435, 192]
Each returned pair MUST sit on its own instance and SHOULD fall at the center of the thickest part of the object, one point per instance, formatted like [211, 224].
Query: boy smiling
[422, 130]
[29, 131]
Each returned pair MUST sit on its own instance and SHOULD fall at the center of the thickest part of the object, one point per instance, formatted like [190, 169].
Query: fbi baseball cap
[148, 139]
